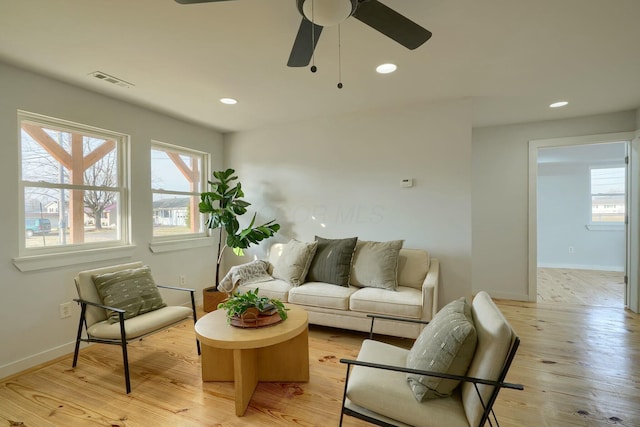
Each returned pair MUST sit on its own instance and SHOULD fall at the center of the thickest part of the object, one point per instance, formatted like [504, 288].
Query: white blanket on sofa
[251, 272]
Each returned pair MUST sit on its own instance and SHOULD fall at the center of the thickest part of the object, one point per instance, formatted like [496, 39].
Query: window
[608, 195]
[177, 178]
[72, 186]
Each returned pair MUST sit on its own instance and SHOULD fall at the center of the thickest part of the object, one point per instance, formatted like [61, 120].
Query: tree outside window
[177, 177]
[72, 184]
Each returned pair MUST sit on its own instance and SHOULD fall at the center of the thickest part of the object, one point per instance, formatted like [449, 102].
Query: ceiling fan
[317, 14]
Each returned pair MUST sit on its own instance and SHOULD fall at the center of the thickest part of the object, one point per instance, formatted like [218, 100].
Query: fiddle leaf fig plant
[224, 204]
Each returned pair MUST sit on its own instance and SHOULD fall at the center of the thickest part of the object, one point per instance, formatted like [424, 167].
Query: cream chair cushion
[386, 392]
[142, 324]
[495, 337]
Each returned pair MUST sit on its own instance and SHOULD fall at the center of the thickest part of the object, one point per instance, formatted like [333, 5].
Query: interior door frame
[633, 195]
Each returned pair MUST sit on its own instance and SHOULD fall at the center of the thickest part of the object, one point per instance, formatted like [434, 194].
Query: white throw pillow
[293, 264]
[375, 264]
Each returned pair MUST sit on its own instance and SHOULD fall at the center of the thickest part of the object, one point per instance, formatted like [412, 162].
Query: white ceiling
[511, 57]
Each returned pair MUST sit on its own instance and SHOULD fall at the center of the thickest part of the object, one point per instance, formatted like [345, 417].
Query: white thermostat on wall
[407, 182]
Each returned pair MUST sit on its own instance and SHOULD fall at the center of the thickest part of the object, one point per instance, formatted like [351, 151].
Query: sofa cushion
[132, 290]
[406, 302]
[447, 344]
[413, 267]
[375, 264]
[274, 288]
[293, 263]
[332, 261]
[322, 295]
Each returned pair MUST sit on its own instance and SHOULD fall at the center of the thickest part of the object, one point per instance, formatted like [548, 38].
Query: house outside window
[72, 186]
[608, 195]
[178, 176]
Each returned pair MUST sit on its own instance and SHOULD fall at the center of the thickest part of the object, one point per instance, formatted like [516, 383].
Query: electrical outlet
[65, 310]
[571, 249]
[183, 280]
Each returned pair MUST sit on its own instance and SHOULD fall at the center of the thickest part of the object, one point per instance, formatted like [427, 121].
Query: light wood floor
[579, 366]
[586, 287]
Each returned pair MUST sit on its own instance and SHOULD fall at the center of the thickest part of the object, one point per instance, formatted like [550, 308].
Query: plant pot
[250, 315]
[211, 298]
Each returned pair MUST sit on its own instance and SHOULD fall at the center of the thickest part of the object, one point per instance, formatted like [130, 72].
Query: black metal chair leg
[195, 317]
[77, 350]
[125, 357]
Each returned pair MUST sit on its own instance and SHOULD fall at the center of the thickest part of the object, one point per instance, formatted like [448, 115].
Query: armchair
[94, 316]
[376, 388]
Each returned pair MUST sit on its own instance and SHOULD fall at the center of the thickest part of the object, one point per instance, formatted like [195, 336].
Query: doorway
[577, 230]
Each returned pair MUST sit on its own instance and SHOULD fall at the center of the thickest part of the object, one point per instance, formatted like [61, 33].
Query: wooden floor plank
[578, 365]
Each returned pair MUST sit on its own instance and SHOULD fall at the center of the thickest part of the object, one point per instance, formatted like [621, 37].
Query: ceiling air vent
[110, 79]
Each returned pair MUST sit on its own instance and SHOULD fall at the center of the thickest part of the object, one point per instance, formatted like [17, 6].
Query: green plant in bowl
[238, 304]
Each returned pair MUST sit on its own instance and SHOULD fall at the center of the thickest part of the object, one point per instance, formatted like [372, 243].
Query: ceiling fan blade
[197, 1]
[391, 24]
[304, 44]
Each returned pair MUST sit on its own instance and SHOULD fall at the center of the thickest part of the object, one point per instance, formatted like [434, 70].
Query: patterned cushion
[447, 345]
[375, 264]
[332, 261]
[132, 290]
[293, 263]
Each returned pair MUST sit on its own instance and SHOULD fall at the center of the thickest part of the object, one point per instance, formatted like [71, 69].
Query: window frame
[27, 255]
[591, 224]
[181, 240]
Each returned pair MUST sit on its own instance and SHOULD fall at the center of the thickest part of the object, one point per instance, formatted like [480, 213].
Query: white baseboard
[37, 359]
[582, 267]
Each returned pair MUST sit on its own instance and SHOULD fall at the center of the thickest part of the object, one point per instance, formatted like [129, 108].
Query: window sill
[179, 245]
[63, 259]
[605, 227]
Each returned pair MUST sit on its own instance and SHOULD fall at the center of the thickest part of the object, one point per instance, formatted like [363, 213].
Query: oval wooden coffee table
[276, 353]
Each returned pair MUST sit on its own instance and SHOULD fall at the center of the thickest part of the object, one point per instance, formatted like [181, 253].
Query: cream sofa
[327, 304]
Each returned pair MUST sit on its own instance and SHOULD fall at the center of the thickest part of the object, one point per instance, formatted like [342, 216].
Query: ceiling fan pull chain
[339, 60]
[313, 39]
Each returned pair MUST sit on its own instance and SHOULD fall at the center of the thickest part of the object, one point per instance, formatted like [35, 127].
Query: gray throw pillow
[446, 345]
[293, 264]
[375, 264]
[131, 290]
[332, 261]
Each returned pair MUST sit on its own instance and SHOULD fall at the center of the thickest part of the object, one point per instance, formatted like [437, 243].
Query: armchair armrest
[95, 304]
[474, 380]
[395, 319]
[176, 288]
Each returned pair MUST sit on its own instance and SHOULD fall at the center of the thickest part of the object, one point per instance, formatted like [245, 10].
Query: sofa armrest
[430, 290]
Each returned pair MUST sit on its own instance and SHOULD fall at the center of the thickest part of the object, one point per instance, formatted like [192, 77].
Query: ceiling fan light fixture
[386, 68]
[327, 13]
[229, 101]
[558, 104]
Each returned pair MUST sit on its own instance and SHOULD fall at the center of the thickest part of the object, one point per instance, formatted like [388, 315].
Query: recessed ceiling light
[229, 101]
[386, 68]
[558, 104]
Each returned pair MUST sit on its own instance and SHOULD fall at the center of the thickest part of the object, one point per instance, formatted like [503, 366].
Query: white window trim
[177, 242]
[30, 259]
[603, 225]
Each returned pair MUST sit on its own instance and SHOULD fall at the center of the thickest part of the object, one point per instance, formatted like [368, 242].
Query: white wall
[30, 329]
[500, 196]
[341, 177]
[563, 213]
